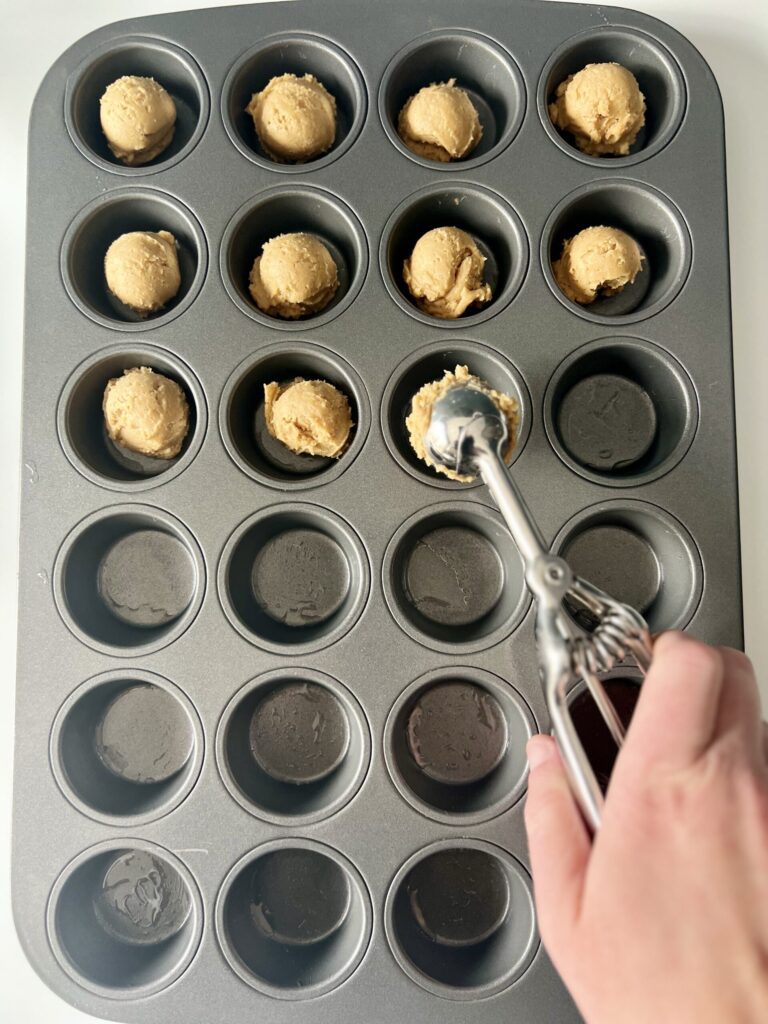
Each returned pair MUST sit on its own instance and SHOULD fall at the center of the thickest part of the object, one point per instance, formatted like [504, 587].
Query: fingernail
[539, 749]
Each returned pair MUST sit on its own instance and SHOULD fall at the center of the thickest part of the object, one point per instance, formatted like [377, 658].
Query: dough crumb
[597, 262]
[310, 417]
[418, 420]
[146, 412]
[602, 107]
[440, 122]
[444, 273]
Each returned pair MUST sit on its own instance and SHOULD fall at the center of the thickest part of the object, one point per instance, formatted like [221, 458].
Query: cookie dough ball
[138, 118]
[311, 417]
[294, 118]
[602, 107]
[444, 273]
[146, 412]
[142, 269]
[597, 262]
[294, 276]
[440, 123]
[417, 422]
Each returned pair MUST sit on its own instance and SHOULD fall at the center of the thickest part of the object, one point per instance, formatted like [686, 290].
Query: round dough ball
[597, 261]
[418, 420]
[146, 412]
[294, 118]
[602, 107]
[294, 276]
[444, 273]
[138, 118]
[440, 123]
[310, 417]
[142, 269]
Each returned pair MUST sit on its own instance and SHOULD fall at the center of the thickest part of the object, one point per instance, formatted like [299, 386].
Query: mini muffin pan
[273, 709]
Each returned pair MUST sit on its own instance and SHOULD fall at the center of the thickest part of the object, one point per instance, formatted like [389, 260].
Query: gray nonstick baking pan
[271, 714]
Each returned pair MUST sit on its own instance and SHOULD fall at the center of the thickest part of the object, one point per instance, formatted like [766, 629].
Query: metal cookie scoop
[467, 433]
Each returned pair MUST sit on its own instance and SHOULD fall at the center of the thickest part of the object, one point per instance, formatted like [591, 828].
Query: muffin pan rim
[631, 159]
[318, 163]
[627, 183]
[352, 707]
[360, 601]
[132, 676]
[182, 461]
[568, 530]
[176, 528]
[353, 876]
[498, 302]
[470, 163]
[197, 912]
[498, 635]
[362, 426]
[76, 77]
[624, 670]
[357, 281]
[116, 195]
[471, 345]
[512, 863]
[678, 453]
[483, 679]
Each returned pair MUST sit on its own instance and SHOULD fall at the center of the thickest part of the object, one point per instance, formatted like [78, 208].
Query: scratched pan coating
[270, 745]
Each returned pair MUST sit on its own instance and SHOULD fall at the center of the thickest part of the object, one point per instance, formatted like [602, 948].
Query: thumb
[558, 842]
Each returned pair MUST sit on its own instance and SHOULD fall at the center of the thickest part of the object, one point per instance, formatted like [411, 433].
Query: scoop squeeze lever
[467, 433]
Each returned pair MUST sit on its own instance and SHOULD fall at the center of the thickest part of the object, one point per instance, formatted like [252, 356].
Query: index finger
[676, 714]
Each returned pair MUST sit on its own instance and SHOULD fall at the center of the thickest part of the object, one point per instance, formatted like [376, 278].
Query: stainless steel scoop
[467, 433]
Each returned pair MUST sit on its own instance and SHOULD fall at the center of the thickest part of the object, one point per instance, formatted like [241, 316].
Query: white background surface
[733, 37]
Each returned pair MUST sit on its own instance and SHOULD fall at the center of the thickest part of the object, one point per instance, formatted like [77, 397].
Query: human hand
[662, 918]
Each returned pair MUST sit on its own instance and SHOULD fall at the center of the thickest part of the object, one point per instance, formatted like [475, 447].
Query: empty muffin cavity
[297, 54]
[453, 578]
[480, 66]
[173, 68]
[429, 364]
[293, 918]
[244, 428]
[129, 579]
[105, 219]
[125, 919]
[284, 210]
[655, 69]
[293, 746]
[82, 428]
[459, 919]
[650, 219]
[454, 743]
[293, 578]
[640, 555]
[126, 747]
[622, 686]
[492, 224]
[621, 411]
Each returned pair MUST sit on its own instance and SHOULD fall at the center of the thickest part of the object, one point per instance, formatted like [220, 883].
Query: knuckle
[702, 657]
[737, 660]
